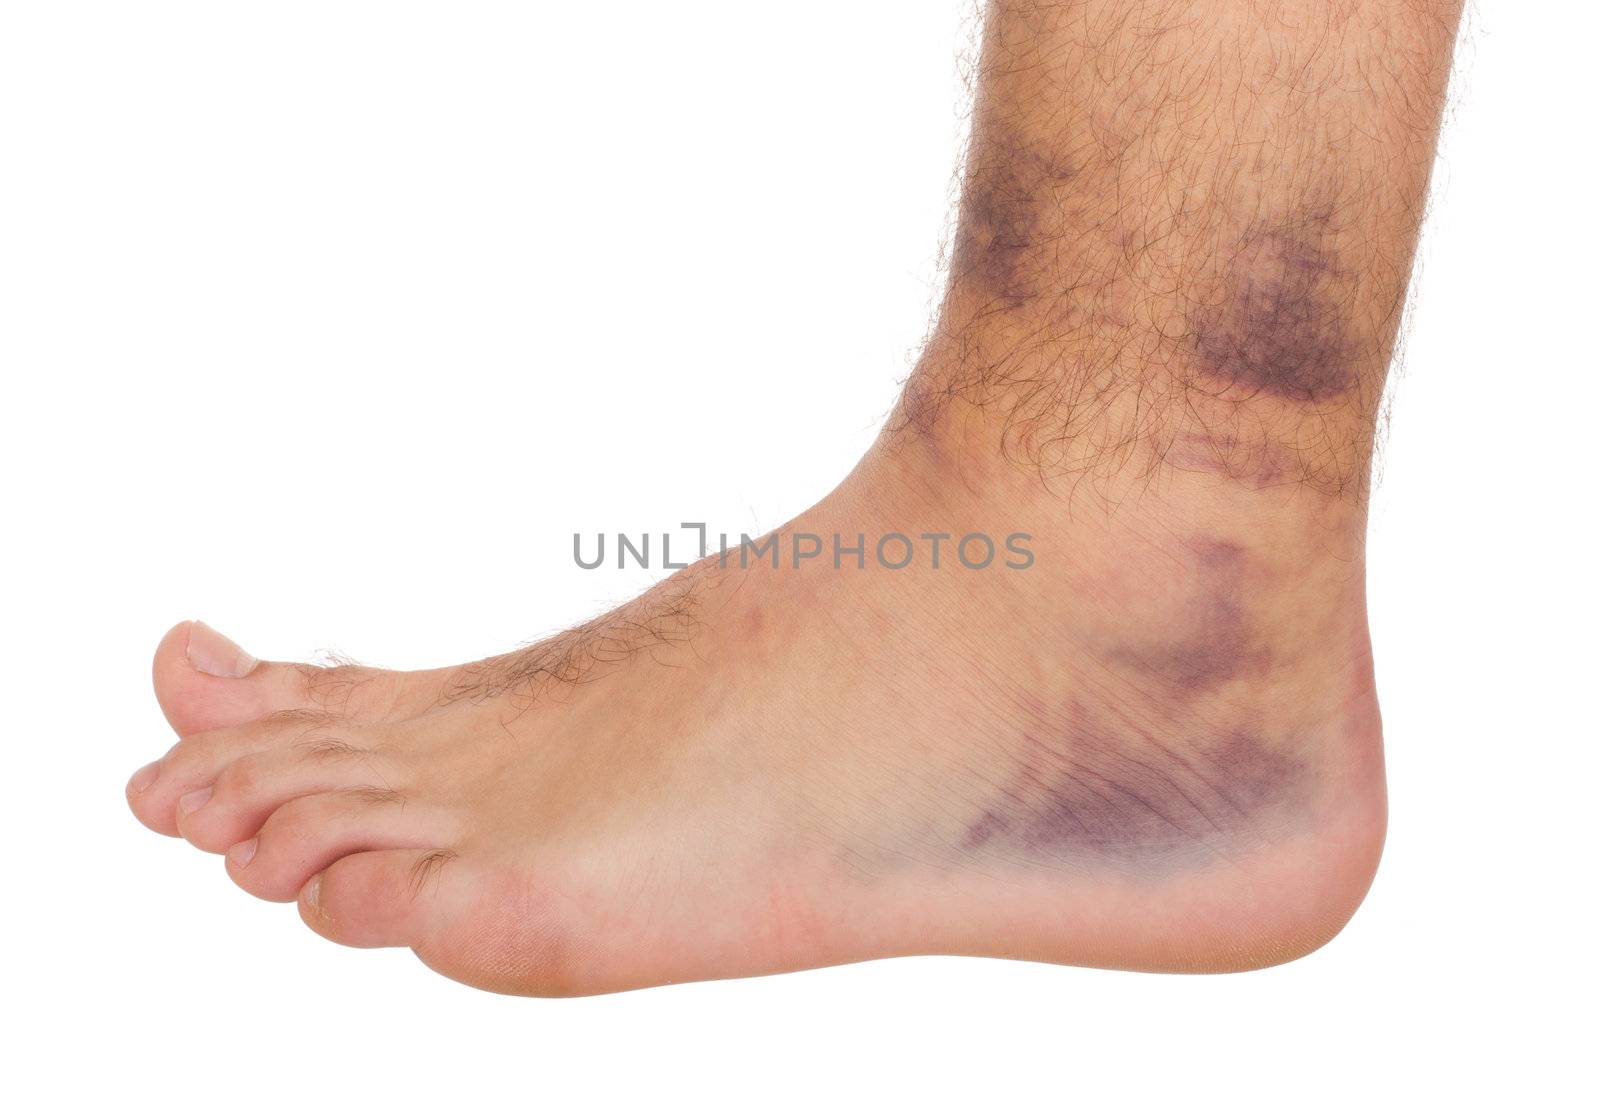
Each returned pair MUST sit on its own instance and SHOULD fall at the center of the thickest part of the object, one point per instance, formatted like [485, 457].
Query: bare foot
[1155, 747]
[1183, 249]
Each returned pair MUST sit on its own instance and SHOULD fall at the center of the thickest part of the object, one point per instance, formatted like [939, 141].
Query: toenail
[215, 655]
[313, 894]
[239, 855]
[191, 802]
[144, 777]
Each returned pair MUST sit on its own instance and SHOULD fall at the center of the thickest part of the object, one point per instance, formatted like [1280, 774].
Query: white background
[330, 322]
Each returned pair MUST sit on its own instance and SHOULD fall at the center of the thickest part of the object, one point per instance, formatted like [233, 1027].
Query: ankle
[1061, 406]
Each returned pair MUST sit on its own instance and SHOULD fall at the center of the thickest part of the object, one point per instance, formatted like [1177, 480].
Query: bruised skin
[1185, 236]
[1212, 641]
[1122, 796]
[1280, 324]
[1019, 766]
[1184, 240]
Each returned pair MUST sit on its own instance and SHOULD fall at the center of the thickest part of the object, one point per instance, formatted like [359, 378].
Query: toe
[379, 898]
[194, 763]
[204, 681]
[251, 788]
[309, 834]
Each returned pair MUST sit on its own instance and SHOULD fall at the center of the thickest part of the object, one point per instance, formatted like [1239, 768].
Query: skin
[1185, 236]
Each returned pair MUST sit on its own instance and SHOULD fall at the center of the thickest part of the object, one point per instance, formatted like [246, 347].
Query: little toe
[381, 897]
[309, 834]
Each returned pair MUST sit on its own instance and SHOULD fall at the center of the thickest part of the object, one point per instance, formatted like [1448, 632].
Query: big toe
[205, 681]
